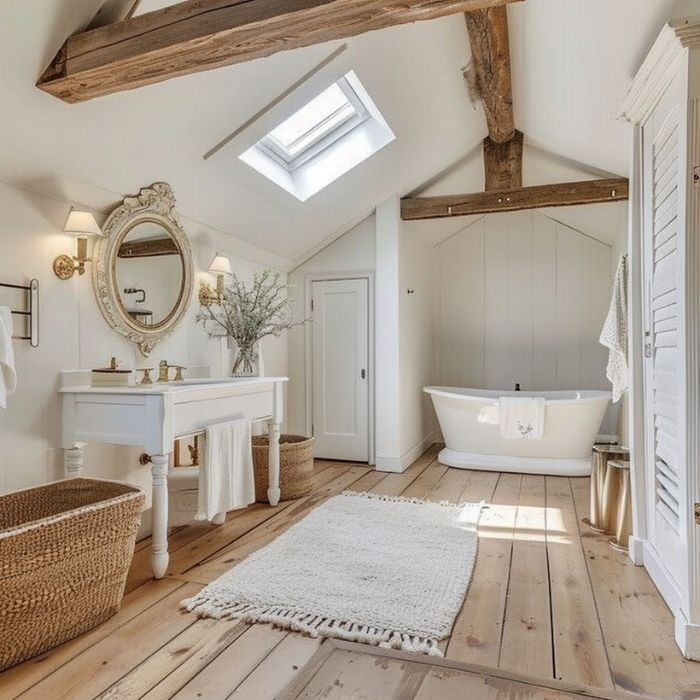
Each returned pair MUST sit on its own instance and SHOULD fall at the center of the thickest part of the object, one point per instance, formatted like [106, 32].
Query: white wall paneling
[523, 300]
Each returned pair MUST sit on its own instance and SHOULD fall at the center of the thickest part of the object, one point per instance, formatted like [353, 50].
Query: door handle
[363, 374]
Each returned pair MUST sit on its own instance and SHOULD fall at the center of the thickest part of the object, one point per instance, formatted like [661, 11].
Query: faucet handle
[178, 373]
[146, 375]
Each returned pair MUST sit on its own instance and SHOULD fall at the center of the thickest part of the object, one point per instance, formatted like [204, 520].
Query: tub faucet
[517, 386]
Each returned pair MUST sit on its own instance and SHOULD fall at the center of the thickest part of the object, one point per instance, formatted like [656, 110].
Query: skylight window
[317, 125]
[331, 134]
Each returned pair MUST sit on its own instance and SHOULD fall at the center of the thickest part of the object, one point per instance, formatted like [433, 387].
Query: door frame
[309, 279]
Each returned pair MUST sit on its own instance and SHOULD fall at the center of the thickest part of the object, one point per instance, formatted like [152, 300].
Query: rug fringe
[419, 501]
[311, 624]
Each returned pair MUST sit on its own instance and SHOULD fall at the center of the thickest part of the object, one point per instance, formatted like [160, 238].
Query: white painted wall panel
[523, 299]
[462, 291]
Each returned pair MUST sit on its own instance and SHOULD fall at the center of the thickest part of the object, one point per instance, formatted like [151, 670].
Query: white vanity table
[152, 417]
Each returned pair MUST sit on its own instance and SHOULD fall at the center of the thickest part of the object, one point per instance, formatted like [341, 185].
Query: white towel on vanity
[614, 334]
[226, 479]
[8, 373]
[521, 417]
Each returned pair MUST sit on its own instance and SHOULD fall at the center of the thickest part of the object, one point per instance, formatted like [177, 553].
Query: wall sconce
[220, 266]
[81, 224]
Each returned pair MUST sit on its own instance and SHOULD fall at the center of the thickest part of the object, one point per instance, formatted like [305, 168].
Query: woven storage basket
[296, 466]
[65, 550]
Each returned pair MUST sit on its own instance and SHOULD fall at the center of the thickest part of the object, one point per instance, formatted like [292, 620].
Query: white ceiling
[572, 62]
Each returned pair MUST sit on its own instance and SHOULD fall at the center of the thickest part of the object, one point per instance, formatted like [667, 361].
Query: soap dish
[110, 376]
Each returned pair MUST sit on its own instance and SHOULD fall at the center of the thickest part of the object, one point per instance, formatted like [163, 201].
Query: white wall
[418, 340]
[388, 346]
[75, 336]
[352, 252]
[523, 299]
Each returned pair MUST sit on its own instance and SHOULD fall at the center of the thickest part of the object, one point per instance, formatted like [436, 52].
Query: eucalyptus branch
[249, 315]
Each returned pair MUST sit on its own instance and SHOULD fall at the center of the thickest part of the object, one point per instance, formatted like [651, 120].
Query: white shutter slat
[665, 282]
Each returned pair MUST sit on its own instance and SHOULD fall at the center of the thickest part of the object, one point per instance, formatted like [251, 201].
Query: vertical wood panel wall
[523, 299]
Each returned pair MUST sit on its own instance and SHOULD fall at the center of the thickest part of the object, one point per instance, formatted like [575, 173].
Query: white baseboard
[398, 465]
[661, 577]
[687, 636]
[636, 551]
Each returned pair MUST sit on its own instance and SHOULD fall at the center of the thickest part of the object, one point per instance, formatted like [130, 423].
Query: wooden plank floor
[548, 599]
[341, 670]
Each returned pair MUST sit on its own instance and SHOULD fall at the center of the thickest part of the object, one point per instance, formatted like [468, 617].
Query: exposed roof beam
[562, 194]
[490, 81]
[148, 248]
[489, 75]
[199, 35]
[503, 163]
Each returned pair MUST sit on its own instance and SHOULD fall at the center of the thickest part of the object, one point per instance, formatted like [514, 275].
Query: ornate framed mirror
[142, 271]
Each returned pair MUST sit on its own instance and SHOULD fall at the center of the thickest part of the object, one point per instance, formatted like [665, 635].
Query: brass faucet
[163, 372]
[163, 368]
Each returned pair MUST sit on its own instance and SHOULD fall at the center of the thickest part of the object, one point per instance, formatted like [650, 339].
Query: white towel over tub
[226, 479]
[521, 417]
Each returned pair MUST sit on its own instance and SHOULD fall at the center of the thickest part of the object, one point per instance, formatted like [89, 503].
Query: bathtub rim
[549, 466]
[588, 395]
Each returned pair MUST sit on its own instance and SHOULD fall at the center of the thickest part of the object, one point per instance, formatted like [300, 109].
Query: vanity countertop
[188, 385]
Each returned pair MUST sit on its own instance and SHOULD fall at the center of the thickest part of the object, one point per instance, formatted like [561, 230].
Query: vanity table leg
[73, 461]
[160, 556]
[273, 492]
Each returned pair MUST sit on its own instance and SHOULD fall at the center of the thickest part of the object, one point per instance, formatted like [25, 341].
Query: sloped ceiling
[572, 62]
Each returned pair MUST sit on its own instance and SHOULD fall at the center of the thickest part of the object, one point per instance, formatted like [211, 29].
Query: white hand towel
[8, 373]
[521, 417]
[226, 479]
[614, 334]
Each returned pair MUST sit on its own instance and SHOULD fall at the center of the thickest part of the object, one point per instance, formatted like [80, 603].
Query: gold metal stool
[600, 459]
[617, 503]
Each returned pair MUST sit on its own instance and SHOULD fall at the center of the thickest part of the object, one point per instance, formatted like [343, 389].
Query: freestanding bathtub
[470, 425]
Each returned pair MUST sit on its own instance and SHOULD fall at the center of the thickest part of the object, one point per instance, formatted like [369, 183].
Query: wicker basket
[65, 550]
[296, 466]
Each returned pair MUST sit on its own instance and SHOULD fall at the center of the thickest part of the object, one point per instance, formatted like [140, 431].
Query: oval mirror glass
[149, 273]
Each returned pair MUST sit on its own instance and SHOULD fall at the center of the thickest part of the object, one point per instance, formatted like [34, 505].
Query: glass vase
[247, 362]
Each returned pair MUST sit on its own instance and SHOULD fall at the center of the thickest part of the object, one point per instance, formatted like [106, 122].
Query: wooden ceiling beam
[489, 74]
[198, 35]
[490, 81]
[563, 194]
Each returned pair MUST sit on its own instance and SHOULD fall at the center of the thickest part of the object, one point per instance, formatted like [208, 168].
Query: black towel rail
[30, 313]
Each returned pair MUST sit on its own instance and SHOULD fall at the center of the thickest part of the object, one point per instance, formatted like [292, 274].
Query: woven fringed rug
[385, 571]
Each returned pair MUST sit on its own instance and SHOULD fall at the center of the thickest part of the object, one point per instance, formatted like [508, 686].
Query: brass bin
[599, 517]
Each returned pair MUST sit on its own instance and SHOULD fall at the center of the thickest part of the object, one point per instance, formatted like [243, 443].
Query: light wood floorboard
[548, 598]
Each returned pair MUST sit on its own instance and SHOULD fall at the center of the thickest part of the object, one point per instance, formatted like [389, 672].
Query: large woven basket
[65, 550]
[296, 466]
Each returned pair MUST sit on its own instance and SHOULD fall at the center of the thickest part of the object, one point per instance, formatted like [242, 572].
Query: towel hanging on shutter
[614, 334]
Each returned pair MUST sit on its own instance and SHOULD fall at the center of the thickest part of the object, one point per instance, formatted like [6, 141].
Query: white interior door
[340, 377]
[663, 346]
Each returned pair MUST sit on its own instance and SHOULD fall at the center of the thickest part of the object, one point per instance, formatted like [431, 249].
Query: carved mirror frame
[154, 204]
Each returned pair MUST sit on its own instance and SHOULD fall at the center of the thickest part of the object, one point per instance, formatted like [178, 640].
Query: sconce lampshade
[81, 223]
[220, 265]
